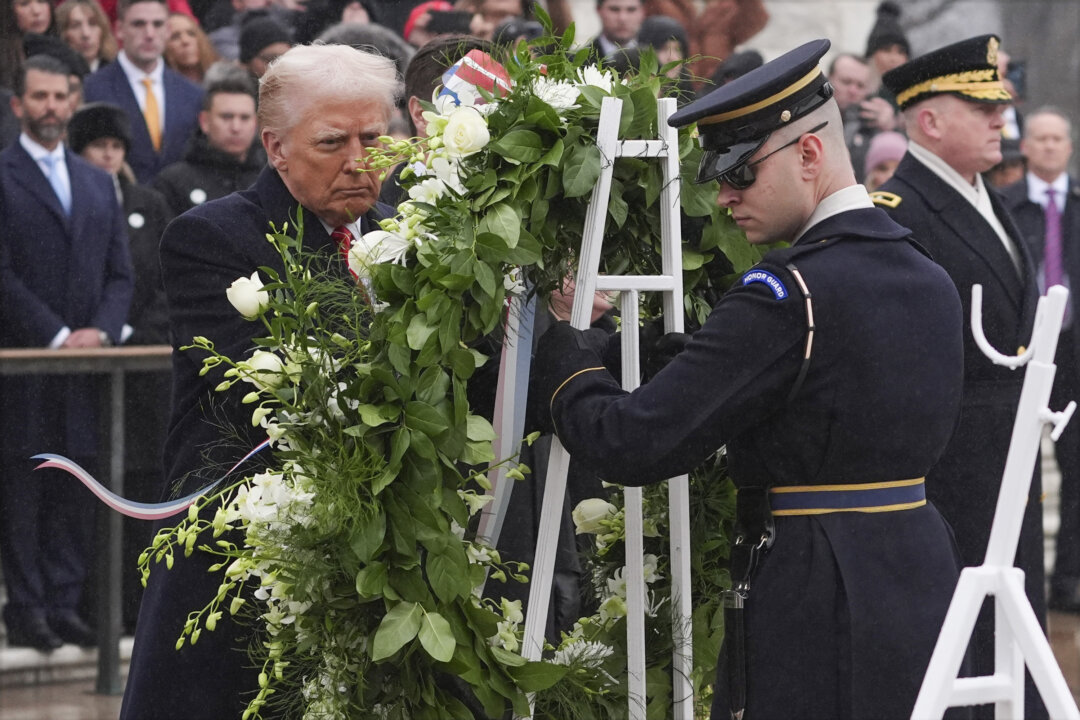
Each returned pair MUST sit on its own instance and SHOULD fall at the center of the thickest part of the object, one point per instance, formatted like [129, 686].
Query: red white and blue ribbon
[140, 510]
[476, 70]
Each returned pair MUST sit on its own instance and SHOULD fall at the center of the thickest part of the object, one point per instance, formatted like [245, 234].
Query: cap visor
[715, 163]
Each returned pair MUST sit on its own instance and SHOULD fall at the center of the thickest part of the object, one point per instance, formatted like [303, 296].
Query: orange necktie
[152, 115]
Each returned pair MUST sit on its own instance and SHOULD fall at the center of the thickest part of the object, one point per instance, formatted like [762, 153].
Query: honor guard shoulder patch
[887, 199]
[768, 279]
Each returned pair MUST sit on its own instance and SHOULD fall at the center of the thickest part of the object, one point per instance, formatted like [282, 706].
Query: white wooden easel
[587, 282]
[1018, 636]
[510, 407]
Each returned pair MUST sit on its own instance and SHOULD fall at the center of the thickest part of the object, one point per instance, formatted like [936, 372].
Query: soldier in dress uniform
[952, 100]
[832, 372]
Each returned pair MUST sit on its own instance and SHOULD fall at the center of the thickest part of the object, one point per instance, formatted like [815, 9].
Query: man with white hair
[320, 108]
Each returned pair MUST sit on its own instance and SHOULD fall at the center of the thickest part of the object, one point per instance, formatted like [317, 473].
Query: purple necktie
[1052, 260]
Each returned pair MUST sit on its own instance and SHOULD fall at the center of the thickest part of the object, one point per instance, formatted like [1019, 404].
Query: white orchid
[428, 191]
[375, 247]
[265, 370]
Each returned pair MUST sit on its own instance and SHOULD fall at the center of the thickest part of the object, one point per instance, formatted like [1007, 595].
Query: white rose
[558, 94]
[588, 514]
[466, 133]
[377, 246]
[248, 297]
[263, 369]
[591, 75]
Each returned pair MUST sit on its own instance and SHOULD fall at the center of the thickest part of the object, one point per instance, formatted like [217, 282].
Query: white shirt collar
[135, 75]
[1037, 188]
[852, 197]
[38, 152]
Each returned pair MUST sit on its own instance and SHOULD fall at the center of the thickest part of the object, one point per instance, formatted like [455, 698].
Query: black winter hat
[94, 121]
[887, 31]
[656, 30]
[34, 44]
[259, 33]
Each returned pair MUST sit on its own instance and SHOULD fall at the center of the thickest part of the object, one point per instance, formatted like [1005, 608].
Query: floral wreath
[360, 540]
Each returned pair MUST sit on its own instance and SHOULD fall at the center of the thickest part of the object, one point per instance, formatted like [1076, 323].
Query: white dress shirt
[976, 194]
[135, 80]
[853, 197]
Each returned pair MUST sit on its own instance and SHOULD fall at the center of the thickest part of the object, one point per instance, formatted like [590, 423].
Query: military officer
[952, 100]
[832, 371]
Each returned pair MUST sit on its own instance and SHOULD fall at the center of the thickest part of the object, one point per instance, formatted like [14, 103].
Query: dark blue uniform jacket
[844, 613]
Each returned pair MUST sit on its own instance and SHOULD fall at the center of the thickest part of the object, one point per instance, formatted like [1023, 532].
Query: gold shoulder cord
[809, 330]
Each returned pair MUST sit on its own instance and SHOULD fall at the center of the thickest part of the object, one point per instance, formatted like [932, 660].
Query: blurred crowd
[116, 116]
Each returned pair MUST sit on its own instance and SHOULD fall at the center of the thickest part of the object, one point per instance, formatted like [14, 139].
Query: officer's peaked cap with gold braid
[967, 69]
[736, 119]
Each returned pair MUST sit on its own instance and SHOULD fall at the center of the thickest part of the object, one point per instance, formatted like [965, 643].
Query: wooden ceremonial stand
[510, 405]
[1019, 639]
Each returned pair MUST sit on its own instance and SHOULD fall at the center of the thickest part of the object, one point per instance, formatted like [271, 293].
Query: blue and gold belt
[864, 498]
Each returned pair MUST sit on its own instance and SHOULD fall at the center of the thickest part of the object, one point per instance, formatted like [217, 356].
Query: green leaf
[536, 676]
[554, 154]
[519, 146]
[399, 443]
[461, 361]
[419, 331]
[371, 581]
[424, 418]
[485, 278]
[480, 429]
[376, 415]
[581, 170]
[446, 572]
[410, 583]
[502, 220]
[507, 658]
[436, 637]
[398, 627]
[692, 259]
[477, 453]
[368, 536]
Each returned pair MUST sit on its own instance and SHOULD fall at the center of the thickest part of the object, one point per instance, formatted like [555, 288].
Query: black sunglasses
[743, 176]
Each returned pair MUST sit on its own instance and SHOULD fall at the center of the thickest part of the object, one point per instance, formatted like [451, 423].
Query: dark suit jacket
[1031, 221]
[964, 484]
[203, 252]
[57, 271]
[183, 101]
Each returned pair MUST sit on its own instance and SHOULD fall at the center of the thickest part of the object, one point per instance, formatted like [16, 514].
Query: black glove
[662, 351]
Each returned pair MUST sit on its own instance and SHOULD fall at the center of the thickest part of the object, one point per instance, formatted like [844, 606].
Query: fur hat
[94, 121]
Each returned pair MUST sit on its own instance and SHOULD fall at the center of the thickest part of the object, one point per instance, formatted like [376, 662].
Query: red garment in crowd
[716, 30]
[180, 6]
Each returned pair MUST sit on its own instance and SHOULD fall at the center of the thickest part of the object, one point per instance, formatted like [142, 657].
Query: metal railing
[114, 363]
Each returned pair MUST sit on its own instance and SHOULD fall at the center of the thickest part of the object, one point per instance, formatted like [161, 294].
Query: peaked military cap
[967, 69]
[736, 119]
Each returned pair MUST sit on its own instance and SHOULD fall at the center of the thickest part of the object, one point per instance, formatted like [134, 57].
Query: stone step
[26, 666]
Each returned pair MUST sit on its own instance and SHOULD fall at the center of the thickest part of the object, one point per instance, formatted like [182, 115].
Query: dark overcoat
[845, 609]
[965, 484]
[56, 271]
[202, 253]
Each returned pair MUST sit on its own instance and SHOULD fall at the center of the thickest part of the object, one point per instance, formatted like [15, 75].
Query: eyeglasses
[743, 176]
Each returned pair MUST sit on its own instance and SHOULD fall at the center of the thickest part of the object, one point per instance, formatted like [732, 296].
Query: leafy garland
[365, 574]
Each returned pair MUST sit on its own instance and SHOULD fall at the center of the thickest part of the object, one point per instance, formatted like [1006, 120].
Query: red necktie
[343, 238]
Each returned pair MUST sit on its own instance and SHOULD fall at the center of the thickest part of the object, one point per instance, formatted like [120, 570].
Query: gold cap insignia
[992, 51]
[785, 116]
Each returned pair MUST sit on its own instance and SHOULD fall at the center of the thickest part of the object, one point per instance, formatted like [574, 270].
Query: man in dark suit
[65, 282]
[620, 21]
[1051, 230]
[954, 125]
[163, 107]
[832, 371]
[319, 108]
